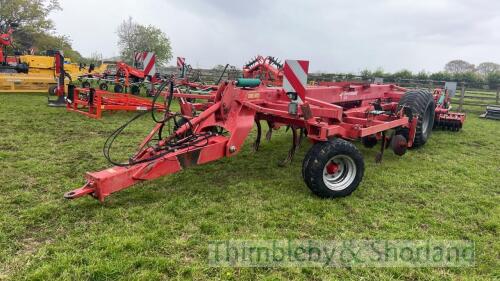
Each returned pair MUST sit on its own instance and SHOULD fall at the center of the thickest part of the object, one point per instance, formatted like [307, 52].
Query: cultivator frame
[330, 116]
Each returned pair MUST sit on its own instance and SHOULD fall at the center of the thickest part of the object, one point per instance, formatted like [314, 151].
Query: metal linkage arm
[104, 183]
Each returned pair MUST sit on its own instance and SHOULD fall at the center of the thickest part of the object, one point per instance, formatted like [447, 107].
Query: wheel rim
[339, 172]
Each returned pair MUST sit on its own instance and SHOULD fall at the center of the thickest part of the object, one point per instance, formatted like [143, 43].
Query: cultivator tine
[383, 146]
[269, 133]
[296, 136]
[256, 144]
[302, 134]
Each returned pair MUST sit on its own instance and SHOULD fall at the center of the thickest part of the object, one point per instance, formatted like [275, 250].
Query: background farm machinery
[444, 118]
[93, 102]
[22, 73]
[123, 78]
[330, 117]
[9, 64]
[268, 69]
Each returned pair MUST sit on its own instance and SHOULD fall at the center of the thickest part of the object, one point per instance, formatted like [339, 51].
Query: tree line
[486, 73]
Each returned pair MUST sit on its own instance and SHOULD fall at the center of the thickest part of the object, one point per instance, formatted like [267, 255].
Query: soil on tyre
[421, 104]
[333, 168]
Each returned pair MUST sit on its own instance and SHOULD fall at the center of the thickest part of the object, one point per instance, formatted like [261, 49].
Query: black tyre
[52, 90]
[333, 168]
[421, 103]
[103, 86]
[135, 90]
[118, 88]
[86, 84]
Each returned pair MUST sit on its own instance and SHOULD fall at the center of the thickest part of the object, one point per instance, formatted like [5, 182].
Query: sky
[335, 36]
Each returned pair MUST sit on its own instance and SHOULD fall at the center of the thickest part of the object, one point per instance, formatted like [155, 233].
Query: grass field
[449, 189]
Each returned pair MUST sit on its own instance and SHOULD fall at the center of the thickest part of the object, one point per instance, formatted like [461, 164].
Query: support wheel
[118, 88]
[103, 86]
[53, 90]
[86, 84]
[333, 168]
[135, 90]
[421, 104]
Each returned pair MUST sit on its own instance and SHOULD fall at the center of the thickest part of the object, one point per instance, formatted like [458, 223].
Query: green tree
[366, 74]
[34, 30]
[379, 72]
[134, 37]
[486, 68]
[44, 41]
[403, 74]
[469, 77]
[422, 75]
[441, 76]
[493, 79]
[459, 66]
[31, 15]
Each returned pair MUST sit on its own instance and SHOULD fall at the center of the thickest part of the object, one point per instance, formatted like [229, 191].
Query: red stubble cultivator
[330, 116]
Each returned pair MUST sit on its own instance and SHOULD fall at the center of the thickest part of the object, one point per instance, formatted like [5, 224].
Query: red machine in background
[9, 64]
[126, 78]
[144, 71]
[6, 31]
[5, 41]
[268, 69]
[444, 118]
[59, 90]
[93, 103]
[332, 116]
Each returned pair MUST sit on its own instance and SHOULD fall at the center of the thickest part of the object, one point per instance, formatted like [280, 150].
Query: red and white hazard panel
[148, 62]
[295, 77]
[181, 62]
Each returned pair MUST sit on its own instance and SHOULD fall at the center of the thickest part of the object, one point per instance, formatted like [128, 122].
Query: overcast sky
[336, 36]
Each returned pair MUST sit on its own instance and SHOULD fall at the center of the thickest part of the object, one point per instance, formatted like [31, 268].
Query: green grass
[449, 189]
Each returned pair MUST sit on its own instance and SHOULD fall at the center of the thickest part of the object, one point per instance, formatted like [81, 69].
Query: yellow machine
[41, 75]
